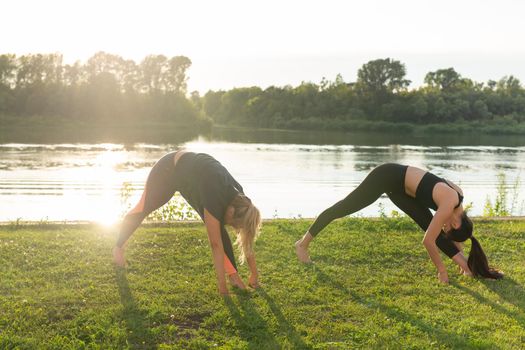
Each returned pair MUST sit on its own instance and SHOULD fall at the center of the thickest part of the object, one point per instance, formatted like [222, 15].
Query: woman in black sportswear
[414, 191]
[216, 196]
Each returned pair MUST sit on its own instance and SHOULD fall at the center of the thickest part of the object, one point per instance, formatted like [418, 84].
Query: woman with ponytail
[219, 200]
[414, 191]
[477, 262]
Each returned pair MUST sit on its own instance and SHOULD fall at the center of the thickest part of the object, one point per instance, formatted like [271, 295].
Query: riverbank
[37, 129]
[500, 126]
[372, 286]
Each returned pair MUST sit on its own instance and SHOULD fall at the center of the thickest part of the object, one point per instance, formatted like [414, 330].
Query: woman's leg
[386, 177]
[158, 191]
[422, 216]
[229, 259]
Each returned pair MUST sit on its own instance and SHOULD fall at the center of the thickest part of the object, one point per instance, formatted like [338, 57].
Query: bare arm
[460, 260]
[213, 227]
[429, 241]
[254, 275]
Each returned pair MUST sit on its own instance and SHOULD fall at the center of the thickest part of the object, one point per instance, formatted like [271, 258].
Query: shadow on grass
[250, 324]
[508, 290]
[439, 335]
[254, 328]
[284, 325]
[139, 335]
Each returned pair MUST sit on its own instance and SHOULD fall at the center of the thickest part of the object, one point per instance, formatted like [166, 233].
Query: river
[287, 174]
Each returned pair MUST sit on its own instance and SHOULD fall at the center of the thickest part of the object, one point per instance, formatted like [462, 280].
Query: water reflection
[117, 135]
[84, 181]
[359, 138]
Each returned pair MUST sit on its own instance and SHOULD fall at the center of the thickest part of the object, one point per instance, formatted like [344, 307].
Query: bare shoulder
[445, 196]
[454, 186]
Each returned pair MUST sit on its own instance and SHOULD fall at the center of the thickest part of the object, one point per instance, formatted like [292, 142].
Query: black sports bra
[425, 187]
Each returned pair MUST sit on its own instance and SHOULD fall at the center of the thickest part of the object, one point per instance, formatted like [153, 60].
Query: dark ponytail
[477, 260]
[478, 264]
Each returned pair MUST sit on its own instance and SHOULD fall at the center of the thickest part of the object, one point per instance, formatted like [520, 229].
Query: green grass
[372, 286]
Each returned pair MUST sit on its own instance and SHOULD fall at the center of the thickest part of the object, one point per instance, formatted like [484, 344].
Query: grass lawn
[372, 286]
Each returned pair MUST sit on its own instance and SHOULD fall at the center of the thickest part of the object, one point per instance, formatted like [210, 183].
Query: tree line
[380, 98]
[106, 89]
[110, 89]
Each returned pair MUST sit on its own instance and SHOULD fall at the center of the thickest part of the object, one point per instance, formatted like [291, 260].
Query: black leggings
[390, 179]
[160, 187]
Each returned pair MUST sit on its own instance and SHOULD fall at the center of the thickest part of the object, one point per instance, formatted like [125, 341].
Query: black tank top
[205, 184]
[425, 187]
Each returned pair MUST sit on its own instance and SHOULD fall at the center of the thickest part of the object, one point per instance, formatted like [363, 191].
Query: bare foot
[118, 257]
[236, 281]
[302, 253]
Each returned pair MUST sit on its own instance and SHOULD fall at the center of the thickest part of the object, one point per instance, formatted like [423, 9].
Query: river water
[286, 174]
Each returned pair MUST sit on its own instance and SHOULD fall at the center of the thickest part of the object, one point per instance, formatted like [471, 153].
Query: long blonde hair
[247, 223]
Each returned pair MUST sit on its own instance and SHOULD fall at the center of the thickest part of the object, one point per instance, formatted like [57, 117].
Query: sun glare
[101, 183]
[108, 161]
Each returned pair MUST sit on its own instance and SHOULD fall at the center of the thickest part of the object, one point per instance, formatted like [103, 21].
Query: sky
[284, 42]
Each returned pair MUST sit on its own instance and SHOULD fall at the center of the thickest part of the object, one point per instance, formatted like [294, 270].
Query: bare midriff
[413, 177]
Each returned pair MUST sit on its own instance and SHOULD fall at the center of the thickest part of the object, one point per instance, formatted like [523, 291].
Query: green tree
[7, 82]
[509, 85]
[212, 104]
[444, 79]
[195, 98]
[38, 69]
[152, 70]
[7, 70]
[382, 76]
[480, 110]
[378, 81]
[74, 74]
[420, 108]
[175, 78]
[103, 63]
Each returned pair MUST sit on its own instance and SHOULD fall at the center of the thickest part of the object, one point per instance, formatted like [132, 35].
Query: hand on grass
[253, 281]
[466, 272]
[443, 277]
